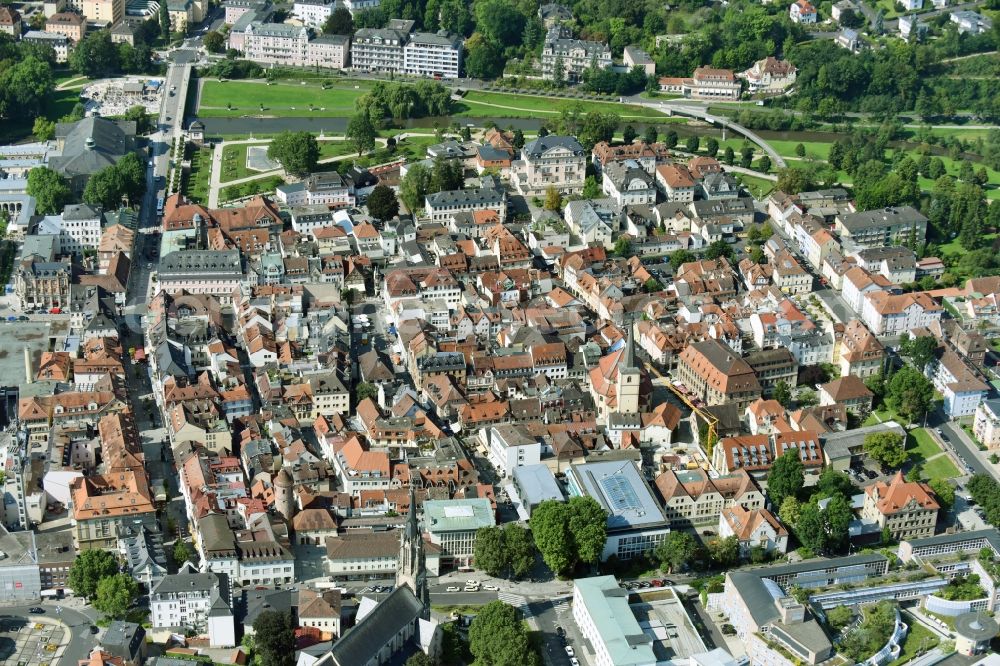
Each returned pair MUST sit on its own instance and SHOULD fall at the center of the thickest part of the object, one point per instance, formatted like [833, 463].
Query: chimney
[89, 143]
[29, 376]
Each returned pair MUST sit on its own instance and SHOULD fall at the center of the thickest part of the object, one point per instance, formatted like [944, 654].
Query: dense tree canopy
[274, 637]
[297, 152]
[567, 533]
[498, 637]
[51, 191]
[88, 569]
[786, 477]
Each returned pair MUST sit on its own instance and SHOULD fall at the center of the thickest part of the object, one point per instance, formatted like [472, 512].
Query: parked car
[569, 651]
[35, 610]
[453, 588]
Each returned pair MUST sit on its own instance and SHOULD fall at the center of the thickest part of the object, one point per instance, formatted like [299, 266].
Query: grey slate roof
[375, 630]
[482, 197]
[870, 219]
[92, 144]
[539, 146]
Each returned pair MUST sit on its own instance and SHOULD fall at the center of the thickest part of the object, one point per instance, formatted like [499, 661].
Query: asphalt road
[962, 445]
[81, 640]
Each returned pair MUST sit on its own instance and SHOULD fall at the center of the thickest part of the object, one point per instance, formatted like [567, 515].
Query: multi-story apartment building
[434, 54]
[379, 49]
[715, 374]
[550, 161]
[908, 509]
[770, 75]
[962, 387]
[279, 43]
[102, 505]
[236, 9]
[986, 424]
[328, 189]
[312, 13]
[510, 447]
[861, 354]
[894, 314]
[78, 228]
[43, 283]
[628, 184]
[691, 497]
[442, 206]
[753, 528]
[802, 11]
[883, 227]
[71, 24]
[197, 601]
[57, 42]
[103, 12]
[772, 366]
[705, 83]
[574, 56]
[10, 22]
[215, 272]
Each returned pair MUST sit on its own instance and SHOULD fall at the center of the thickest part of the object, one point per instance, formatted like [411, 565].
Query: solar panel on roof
[620, 494]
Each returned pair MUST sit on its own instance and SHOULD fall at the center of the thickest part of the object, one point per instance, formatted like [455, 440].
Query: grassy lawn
[921, 445]
[464, 609]
[818, 150]
[259, 186]
[954, 247]
[234, 162]
[759, 187]
[940, 468]
[196, 184]
[919, 639]
[479, 104]
[280, 98]
[884, 414]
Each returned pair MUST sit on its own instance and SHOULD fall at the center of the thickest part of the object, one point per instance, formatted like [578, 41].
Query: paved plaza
[31, 643]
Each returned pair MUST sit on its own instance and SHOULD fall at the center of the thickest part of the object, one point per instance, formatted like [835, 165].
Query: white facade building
[197, 601]
[438, 55]
[602, 613]
[511, 447]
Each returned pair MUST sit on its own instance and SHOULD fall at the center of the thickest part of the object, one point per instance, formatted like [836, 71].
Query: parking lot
[31, 643]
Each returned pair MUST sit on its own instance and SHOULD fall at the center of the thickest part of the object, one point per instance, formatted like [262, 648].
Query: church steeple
[629, 378]
[411, 569]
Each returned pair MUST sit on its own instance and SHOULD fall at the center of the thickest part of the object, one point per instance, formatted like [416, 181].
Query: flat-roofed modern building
[636, 522]
[946, 544]
[452, 525]
[535, 484]
[601, 611]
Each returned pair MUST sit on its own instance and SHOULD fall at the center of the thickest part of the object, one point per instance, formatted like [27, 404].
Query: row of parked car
[645, 584]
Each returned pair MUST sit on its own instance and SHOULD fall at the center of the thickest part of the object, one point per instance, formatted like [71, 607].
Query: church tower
[411, 567]
[629, 376]
[284, 502]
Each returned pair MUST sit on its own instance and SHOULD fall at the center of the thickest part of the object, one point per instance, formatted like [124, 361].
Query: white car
[569, 651]
[472, 582]
[574, 661]
[491, 588]
[471, 588]
[452, 588]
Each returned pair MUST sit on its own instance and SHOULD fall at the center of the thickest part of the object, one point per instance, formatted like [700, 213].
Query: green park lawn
[197, 181]
[283, 98]
[759, 187]
[234, 162]
[921, 445]
[940, 468]
[479, 104]
[918, 639]
[263, 185]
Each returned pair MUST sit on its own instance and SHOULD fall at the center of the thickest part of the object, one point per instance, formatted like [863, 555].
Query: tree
[764, 164]
[651, 285]
[676, 551]
[651, 134]
[909, 393]
[783, 393]
[520, 549]
[628, 134]
[518, 140]
[809, 529]
[728, 155]
[115, 595]
[786, 478]
[681, 257]
[553, 200]
[598, 127]
[839, 617]
[591, 188]
[837, 517]
[483, 59]
[89, 568]
[725, 552]
[25, 88]
[95, 56]
[419, 659]
[339, 22]
[181, 551]
[382, 203]
[297, 152]
[500, 22]
[498, 637]
[711, 146]
[800, 150]
[670, 139]
[832, 482]
[274, 636]
[414, 187]
[44, 130]
[143, 121]
[719, 248]
[789, 512]
[446, 175]
[945, 492]
[361, 132]
[623, 246]
[214, 42]
[692, 143]
[920, 350]
[365, 390]
[51, 191]
[124, 180]
[164, 21]
[887, 448]
[570, 532]
[489, 551]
